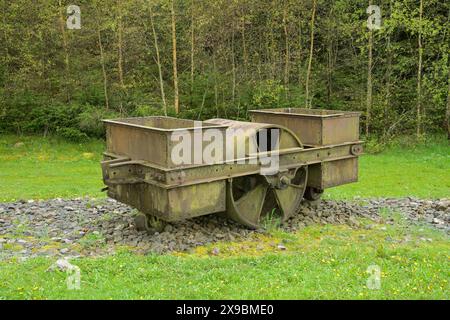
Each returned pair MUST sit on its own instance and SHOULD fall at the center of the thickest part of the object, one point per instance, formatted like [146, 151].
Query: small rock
[215, 251]
[259, 247]
[443, 205]
[61, 265]
[326, 214]
[119, 227]
[168, 228]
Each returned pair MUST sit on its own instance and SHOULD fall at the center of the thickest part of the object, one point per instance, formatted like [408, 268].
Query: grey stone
[168, 228]
[54, 219]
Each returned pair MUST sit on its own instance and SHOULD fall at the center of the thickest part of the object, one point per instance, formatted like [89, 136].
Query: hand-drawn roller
[263, 168]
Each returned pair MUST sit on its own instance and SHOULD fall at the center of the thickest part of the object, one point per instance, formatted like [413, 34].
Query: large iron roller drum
[252, 197]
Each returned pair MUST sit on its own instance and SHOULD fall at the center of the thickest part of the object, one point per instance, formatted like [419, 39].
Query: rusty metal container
[333, 173]
[150, 138]
[314, 127]
[314, 150]
[140, 149]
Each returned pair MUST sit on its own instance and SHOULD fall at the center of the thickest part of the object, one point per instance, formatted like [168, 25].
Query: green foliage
[271, 221]
[53, 118]
[267, 94]
[71, 134]
[146, 110]
[246, 55]
[90, 120]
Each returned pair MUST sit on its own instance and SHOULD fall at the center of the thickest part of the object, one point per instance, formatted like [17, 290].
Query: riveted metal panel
[172, 204]
[150, 138]
[333, 173]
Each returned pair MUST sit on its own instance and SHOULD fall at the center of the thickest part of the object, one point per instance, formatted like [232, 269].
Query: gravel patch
[90, 227]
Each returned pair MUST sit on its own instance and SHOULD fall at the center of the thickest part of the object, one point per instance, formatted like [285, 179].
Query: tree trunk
[447, 113]
[120, 55]
[311, 51]
[287, 53]
[233, 62]
[387, 98]
[244, 45]
[66, 51]
[330, 64]
[369, 81]
[102, 61]
[216, 88]
[419, 76]
[6, 56]
[192, 50]
[299, 58]
[158, 62]
[329, 70]
[273, 54]
[174, 55]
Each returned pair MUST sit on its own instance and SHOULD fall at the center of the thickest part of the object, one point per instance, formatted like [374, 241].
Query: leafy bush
[16, 111]
[90, 120]
[146, 110]
[267, 94]
[51, 118]
[72, 134]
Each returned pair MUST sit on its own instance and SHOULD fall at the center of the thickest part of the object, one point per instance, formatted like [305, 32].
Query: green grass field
[320, 262]
[50, 168]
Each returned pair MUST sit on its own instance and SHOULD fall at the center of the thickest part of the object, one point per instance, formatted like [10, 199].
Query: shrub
[268, 94]
[90, 120]
[51, 118]
[146, 110]
[72, 134]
